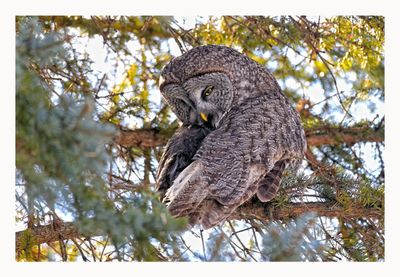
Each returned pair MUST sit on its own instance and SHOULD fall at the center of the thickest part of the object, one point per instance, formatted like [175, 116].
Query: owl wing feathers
[245, 156]
[188, 191]
[250, 141]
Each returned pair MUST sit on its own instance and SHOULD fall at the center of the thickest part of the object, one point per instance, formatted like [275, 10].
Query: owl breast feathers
[238, 134]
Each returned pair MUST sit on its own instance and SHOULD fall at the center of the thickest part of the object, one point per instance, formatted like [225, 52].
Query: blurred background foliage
[91, 125]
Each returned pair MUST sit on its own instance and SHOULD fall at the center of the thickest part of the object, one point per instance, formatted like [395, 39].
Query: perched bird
[238, 134]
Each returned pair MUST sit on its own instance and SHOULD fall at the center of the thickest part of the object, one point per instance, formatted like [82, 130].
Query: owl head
[202, 85]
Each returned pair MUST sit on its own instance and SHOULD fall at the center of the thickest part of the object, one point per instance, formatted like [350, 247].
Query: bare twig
[318, 53]
[202, 243]
[245, 249]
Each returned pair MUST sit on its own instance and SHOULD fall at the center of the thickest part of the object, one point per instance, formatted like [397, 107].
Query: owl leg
[269, 186]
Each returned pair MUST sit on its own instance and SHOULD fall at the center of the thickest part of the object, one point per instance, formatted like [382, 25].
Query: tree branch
[266, 211]
[142, 137]
[315, 137]
[350, 135]
[262, 211]
[47, 234]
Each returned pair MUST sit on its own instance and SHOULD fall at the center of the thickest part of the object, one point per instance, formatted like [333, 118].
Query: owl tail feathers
[187, 191]
[186, 200]
[269, 186]
[213, 213]
[208, 213]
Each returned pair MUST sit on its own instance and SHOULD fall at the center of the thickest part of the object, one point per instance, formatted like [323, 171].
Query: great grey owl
[238, 134]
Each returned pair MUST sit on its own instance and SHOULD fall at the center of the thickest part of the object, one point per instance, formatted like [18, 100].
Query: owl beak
[204, 117]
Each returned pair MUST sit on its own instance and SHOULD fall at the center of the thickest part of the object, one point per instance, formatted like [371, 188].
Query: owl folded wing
[245, 156]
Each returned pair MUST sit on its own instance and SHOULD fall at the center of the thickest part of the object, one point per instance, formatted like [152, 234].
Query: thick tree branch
[266, 211]
[315, 137]
[43, 234]
[350, 135]
[262, 211]
[48, 234]
[142, 137]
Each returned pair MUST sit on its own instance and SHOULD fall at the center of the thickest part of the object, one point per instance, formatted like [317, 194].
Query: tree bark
[262, 211]
[350, 135]
[315, 137]
[266, 211]
[50, 233]
[141, 138]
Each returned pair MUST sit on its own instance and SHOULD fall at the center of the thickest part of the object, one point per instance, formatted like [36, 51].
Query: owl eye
[207, 91]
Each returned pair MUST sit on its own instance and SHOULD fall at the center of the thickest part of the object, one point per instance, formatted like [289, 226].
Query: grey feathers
[178, 154]
[239, 134]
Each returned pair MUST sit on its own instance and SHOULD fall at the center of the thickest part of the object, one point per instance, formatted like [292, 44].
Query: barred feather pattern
[208, 170]
[269, 186]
